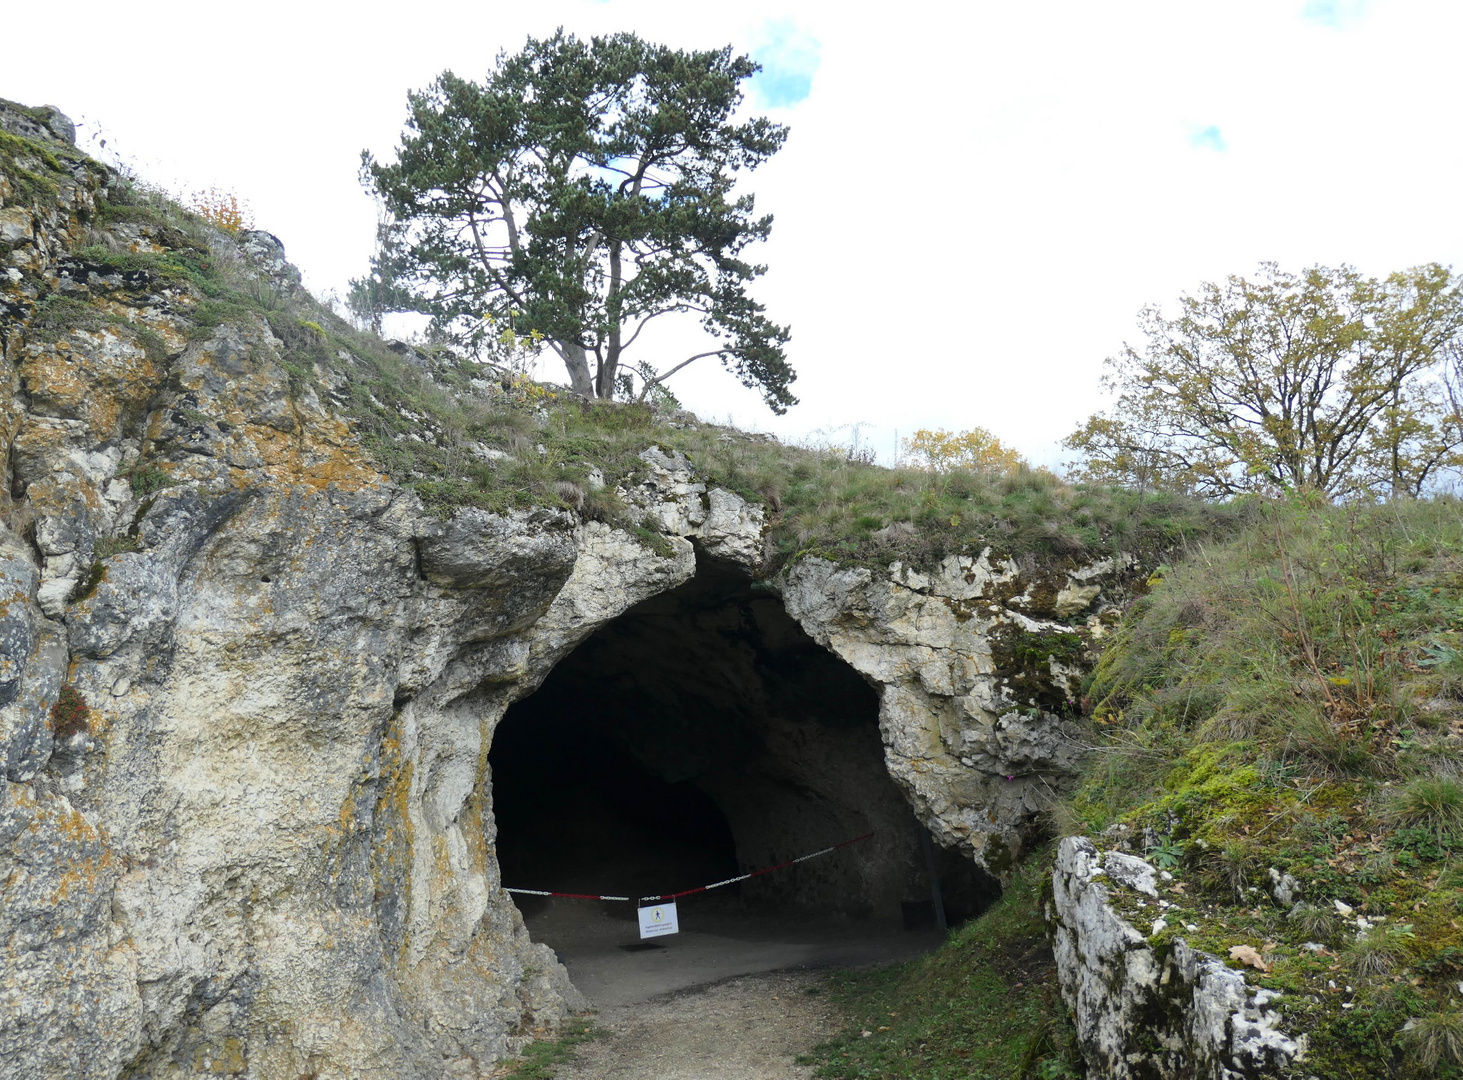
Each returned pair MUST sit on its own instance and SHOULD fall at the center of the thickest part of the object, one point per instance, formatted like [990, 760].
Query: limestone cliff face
[248, 684]
[976, 681]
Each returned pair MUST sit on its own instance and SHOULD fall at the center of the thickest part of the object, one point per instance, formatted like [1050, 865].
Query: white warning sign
[658, 920]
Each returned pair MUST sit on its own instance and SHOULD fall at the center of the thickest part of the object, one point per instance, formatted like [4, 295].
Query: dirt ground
[725, 999]
[746, 1028]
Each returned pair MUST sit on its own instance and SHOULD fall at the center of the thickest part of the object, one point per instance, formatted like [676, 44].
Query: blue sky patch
[1333, 13]
[1209, 138]
[789, 57]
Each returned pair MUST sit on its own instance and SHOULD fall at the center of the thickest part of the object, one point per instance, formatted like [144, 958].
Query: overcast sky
[975, 199]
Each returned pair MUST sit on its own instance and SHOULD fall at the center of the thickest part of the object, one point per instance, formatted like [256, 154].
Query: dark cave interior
[703, 734]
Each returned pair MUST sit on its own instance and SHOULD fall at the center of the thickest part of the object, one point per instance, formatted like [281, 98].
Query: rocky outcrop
[712, 688]
[977, 679]
[42, 123]
[249, 684]
[978, 663]
[1146, 1005]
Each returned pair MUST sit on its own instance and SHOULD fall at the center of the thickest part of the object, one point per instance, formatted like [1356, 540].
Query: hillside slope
[1280, 729]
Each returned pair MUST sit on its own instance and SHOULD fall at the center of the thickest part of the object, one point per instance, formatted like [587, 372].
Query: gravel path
[746, 1028]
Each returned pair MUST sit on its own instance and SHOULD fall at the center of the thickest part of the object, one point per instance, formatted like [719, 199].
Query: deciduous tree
[977, 448]
[1324, 380]
[582, 190]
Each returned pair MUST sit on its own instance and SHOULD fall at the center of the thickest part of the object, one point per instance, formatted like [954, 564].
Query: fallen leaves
[1246, 954]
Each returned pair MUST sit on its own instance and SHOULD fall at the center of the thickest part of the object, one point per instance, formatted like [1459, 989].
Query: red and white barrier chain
[699, 888]
[566, 895]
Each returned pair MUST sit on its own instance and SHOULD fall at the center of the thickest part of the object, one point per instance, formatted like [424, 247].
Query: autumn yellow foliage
[977, 448]
[221, 208]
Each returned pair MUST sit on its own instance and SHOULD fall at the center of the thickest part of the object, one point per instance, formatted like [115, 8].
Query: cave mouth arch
[700, 735]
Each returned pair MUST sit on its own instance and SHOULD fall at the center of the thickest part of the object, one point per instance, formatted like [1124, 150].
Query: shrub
[942, 451]
[221, 208]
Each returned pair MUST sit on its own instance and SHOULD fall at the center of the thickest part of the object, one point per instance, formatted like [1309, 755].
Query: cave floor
[747, 1028]
[600, 946]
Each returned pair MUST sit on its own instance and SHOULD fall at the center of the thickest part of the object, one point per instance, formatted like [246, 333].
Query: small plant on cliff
[108, 546]
[1231, 869]
[221, 208]
[1376, 954]
[87, 584]
[146, 479]
[70, 715]
[1314, 922]
[1168, 855]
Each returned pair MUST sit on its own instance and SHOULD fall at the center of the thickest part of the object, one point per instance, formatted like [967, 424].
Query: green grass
[429, 428]
[30, 166]
[178, 266]
[1292, 697]
[821, 501]
[1434, 803]
[982, 1007]
[540, 1058]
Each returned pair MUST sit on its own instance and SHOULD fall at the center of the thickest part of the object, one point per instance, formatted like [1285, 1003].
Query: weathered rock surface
[977, 682]
[1146, 1010]
[44, 123]
[266, 848]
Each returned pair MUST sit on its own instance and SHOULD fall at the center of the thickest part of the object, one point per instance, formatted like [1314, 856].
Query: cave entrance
[698, 736]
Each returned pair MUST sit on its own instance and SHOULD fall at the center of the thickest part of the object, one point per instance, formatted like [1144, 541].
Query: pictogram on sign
[658, 919]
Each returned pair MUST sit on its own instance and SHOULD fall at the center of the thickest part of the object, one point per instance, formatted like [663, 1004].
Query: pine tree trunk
[607, 377]
[578, 364]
